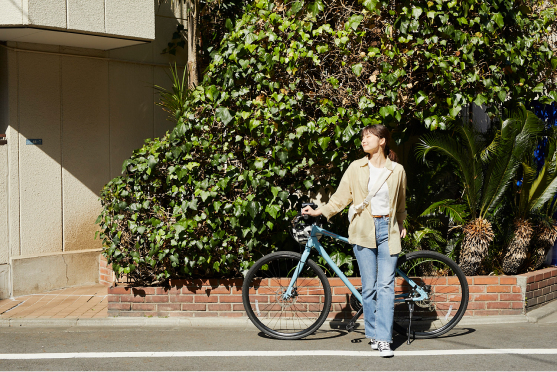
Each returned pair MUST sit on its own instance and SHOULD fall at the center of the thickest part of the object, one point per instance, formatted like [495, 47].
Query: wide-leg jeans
[377, 269]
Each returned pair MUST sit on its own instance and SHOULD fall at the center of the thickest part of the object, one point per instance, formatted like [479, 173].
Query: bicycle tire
[448, 288]
[268, 279]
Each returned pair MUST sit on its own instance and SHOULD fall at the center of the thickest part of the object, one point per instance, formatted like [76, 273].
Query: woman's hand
[309, 210]
[401, 229]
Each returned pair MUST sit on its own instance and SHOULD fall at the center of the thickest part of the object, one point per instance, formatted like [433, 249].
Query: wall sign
[34, 141]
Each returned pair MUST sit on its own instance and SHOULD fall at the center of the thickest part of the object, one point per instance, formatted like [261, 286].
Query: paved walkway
[82, 302]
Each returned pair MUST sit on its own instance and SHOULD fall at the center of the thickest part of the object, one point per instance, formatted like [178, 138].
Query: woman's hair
[381, 131]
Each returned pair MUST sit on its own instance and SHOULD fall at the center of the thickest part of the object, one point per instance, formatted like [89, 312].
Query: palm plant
[485, 168]
[536, 190]
[173, 101]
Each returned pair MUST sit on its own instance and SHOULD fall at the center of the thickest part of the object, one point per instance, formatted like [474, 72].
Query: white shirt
[380, 202]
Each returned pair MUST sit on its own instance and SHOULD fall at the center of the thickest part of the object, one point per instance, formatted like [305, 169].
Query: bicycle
[287, 296]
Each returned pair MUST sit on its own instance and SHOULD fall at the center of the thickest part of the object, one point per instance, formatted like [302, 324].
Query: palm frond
[518, 136]
[463, 157]
[456, 212]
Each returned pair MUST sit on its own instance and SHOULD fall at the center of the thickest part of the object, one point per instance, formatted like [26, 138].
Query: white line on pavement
[216, 353]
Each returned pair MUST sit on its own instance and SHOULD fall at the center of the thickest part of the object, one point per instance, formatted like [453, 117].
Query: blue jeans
[377, 268]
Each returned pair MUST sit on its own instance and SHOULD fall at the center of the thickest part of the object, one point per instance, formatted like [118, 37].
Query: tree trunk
[478, 235]
[543, 239]
[192, 10]
[517, 250]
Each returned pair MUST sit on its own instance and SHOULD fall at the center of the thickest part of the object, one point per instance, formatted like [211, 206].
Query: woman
[376, 231]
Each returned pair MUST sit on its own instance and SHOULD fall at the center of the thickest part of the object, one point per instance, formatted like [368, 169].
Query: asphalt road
[240, 348]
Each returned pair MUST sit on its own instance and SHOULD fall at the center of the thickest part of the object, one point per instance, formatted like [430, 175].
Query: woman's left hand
[401, 229]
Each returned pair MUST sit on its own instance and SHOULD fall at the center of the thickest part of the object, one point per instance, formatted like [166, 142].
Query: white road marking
[249, 353]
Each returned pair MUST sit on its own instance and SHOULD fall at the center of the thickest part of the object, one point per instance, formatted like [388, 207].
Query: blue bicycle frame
[313, 242]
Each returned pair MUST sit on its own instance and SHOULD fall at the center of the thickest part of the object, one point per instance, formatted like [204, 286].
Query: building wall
[91, 108]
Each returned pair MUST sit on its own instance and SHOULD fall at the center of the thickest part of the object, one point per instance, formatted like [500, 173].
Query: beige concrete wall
[127, 19]
[40, 166]
[91, 109]
[85, 148]
[38, 274]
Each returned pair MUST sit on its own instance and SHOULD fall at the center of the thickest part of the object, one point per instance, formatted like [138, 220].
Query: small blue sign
[34, 141]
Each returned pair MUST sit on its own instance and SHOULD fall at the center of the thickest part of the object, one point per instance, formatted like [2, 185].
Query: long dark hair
[381, 131]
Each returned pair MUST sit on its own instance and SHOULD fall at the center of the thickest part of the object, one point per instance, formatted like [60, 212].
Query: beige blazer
[353, 189]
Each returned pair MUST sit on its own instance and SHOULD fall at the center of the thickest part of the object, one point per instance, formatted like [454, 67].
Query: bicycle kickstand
[352, 323]
[411, 309]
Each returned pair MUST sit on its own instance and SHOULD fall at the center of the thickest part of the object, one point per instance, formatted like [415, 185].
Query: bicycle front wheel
[296, 317]
[447, 290]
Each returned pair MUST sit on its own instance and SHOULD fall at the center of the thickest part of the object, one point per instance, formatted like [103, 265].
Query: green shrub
[279, 112]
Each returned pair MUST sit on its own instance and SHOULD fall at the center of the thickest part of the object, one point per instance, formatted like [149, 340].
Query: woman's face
[371, 143]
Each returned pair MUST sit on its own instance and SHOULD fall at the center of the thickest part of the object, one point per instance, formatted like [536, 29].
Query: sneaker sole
[386, 354]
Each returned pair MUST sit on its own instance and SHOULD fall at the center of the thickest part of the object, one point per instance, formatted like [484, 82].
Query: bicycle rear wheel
[446, 285]
[300, 315]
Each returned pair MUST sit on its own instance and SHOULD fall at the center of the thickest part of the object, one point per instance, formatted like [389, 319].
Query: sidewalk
[87, 306]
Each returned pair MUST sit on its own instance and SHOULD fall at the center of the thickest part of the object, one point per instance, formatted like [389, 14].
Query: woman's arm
[338, 201]
[401, 206]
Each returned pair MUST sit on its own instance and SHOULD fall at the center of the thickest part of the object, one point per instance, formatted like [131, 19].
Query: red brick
[210, 282]
[336, 282]
[194, 307]
[119, 306]
[517, 305]
[538, 277]
[130, 298]
[205, 299]
[132, 313]
[143, 291]
[205, 314]
[498, 305]
[219, 307]
[507, 280]
[485, 297]
[156, 299]
[476, 288]
[119, 290]
[217, 290]
[191, 290]
[168, 307]
[482, 280]
[144, 307]
[511, 297]
[174, 291]
[181, 314]
[341, 290]
[517, 289]
[238, 307]
[498, 289]
[356, 282]
[180, 299]
[113, 298]
[161, 291]
[476, 305]
[238, 299]
[233, 314]
[511, 312]
[486, 312]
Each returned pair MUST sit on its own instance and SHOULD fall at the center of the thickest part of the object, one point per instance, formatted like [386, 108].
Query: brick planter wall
[106, 275]
[489, 295]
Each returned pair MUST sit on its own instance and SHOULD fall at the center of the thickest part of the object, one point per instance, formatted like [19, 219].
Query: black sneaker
[385, 349]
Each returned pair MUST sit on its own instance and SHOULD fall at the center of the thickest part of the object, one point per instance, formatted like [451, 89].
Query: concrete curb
[241, 323]
[536, 315]
[244, 323]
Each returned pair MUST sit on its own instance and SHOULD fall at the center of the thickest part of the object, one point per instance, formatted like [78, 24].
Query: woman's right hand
[309, 210]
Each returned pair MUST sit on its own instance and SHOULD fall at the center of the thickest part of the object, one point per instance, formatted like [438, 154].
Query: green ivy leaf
[357, 69]
[224, 115]
[324, 142]
[353, 22]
